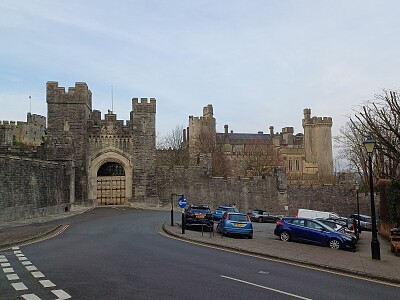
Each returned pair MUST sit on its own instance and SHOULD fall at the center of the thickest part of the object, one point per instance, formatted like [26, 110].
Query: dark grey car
[259, 215]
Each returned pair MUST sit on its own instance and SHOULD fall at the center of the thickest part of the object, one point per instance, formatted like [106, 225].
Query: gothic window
[297, 165]
[290, 165]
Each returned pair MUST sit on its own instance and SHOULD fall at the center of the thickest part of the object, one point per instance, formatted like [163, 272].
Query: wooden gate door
[111, 190]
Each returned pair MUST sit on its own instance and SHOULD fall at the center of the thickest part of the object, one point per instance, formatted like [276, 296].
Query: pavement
[264, 244]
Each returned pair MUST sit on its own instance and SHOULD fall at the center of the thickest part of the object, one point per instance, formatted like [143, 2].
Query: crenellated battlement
[327, 121]
[78, 94]
[144, 105]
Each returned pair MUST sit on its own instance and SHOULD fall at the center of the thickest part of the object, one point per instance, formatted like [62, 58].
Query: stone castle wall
[31, 188]
[269, 193]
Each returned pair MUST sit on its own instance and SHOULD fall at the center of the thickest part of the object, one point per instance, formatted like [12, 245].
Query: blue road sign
[182, 202]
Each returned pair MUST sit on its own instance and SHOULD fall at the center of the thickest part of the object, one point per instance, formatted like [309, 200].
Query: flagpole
[30, 104]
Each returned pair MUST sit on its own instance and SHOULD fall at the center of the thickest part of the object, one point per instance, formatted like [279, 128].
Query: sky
[258, 62]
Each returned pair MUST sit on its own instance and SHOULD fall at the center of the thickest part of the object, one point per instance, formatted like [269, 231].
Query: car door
[298, 229]
[315, 233]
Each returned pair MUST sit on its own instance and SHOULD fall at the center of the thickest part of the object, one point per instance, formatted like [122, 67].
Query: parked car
[220, 210]
[259, 215]
[235, 224]
[313, 214]
[365, 221]
[314, 232]
[199, 215]
[339, 226]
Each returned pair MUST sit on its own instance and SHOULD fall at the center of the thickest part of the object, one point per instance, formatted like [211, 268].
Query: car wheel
[285, 236]
[334, 244]
[260, 219]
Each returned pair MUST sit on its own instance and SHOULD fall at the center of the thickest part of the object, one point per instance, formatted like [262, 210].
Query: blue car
[235, 224]
[220, 210]
[314, 232]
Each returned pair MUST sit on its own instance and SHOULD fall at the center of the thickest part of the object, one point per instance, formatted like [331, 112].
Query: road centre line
[264, 287]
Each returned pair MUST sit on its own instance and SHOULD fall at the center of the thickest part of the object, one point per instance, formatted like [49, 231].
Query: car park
[365, 221]
[261, 216]
[196, 215]
[314, 232]
[235, 224]
[220, 210]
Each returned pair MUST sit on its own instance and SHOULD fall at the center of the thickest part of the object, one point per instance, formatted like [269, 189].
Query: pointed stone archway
[110, 178]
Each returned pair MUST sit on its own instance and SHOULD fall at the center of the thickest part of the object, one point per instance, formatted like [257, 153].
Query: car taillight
[227, 216]
[248, 218]
[190, 214]
[279, 223]
[208, 216]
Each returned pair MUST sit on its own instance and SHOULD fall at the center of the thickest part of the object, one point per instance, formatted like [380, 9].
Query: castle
[82, 158]
[306, 158]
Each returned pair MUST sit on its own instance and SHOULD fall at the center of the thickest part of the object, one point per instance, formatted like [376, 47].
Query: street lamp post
[369, 145]
[358, 209]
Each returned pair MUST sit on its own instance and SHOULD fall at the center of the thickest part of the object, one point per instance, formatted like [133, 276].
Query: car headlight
[347, 237]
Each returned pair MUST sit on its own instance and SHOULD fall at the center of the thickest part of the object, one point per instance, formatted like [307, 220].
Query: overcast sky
[259, 63]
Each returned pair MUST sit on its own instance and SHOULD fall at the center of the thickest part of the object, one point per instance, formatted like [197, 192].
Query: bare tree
[174, 151]
[261, 158]
[379, 119]
[206, 142]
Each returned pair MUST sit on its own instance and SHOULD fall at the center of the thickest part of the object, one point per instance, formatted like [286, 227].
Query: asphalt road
[118, 253]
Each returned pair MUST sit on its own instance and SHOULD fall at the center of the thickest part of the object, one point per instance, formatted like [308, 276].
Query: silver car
[365, 221]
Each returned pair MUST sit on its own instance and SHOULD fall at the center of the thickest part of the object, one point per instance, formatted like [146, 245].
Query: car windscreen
[238, 218]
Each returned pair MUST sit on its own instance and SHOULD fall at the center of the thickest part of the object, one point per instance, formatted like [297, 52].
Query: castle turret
[201, 134]
[318, 143]
[71, 110]
[143, 121]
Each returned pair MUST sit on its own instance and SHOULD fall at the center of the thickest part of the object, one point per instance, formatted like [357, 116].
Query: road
[118, 253]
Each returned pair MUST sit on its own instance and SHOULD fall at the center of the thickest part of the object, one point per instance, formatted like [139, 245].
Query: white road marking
[30, 297]
[19, 286]
[22, 258]
[8, 270]
[264, 287]
[2, 256]
[3, 260]
[26, 263]
[5, 264]
[12, 277]
[15, 248]
[37, 274]
[31, 268]
[61, 294]
[17, 252]
[47, 283]
[19, 255]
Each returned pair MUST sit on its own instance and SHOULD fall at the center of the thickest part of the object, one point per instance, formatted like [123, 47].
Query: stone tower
[201, 133]
[143, 122]
[68, 114]
[318, 144]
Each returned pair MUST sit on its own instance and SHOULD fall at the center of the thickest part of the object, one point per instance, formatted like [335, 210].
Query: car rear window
[238, 218]
[200, 210]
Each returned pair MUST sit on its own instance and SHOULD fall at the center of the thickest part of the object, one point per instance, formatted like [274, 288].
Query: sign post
[172, 207]
[182, 204]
